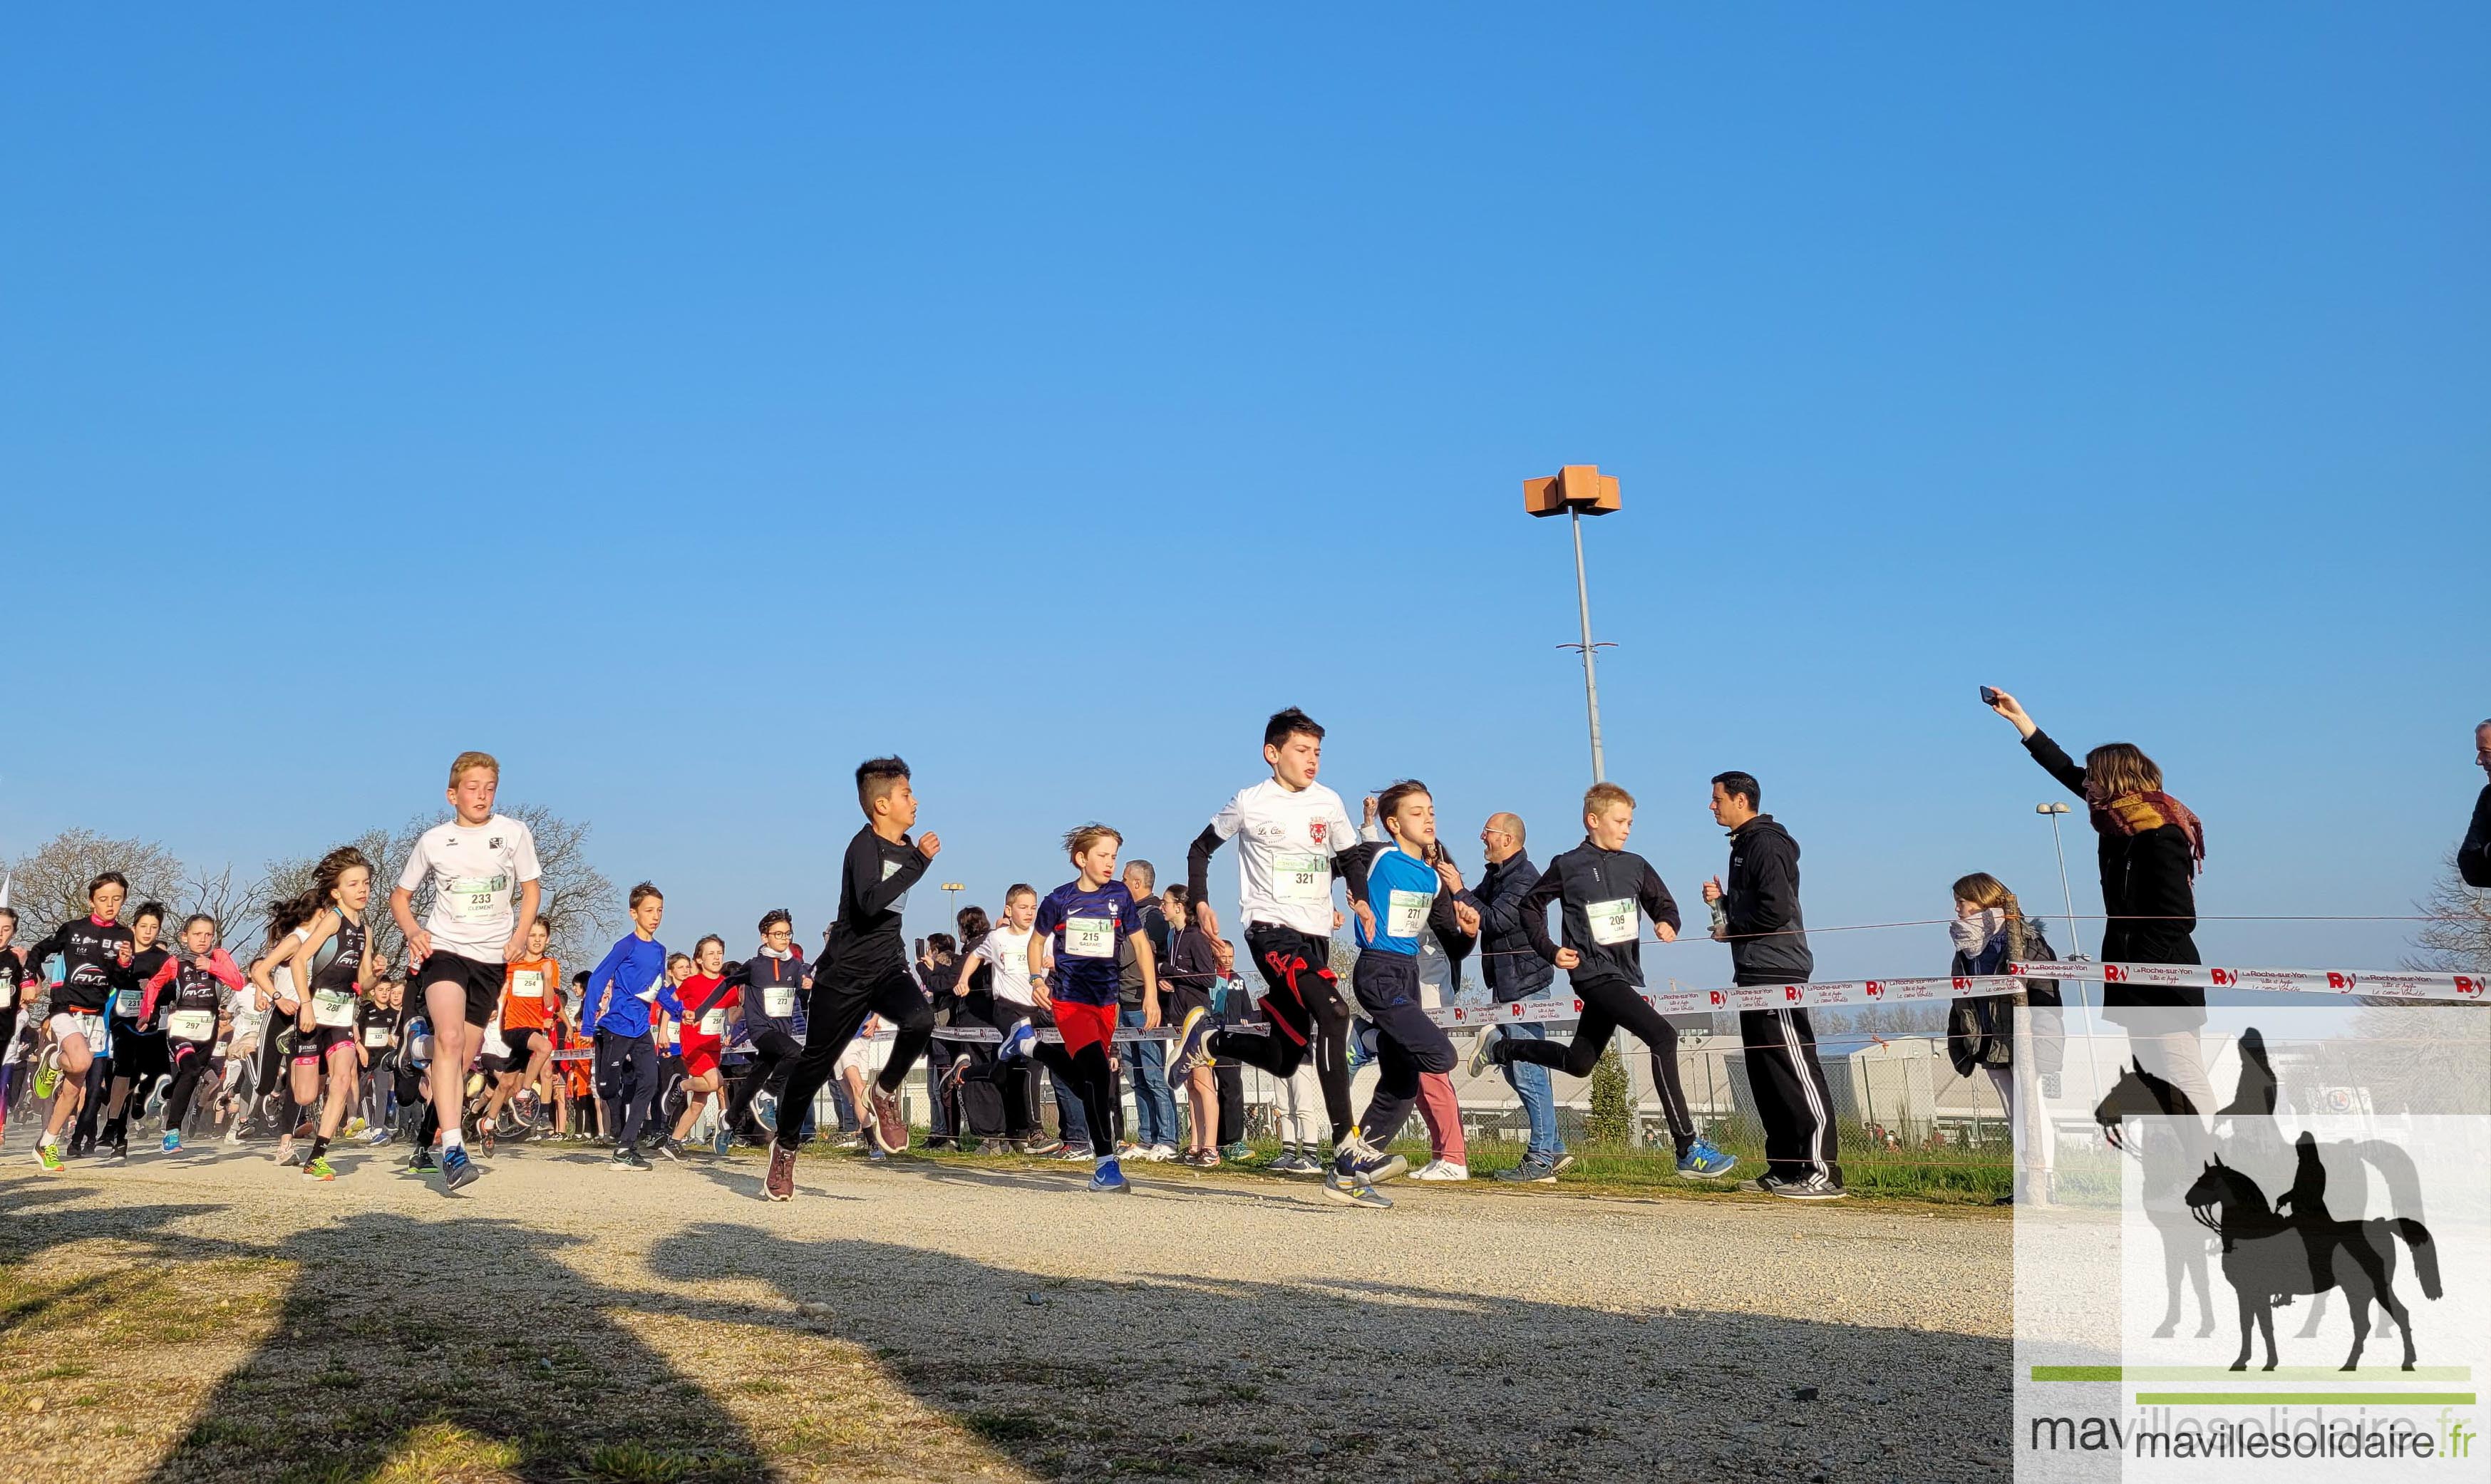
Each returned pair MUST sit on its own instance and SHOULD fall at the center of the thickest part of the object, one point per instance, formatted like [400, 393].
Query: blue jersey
[1401, 889]
[621, 988]
[1083, 929]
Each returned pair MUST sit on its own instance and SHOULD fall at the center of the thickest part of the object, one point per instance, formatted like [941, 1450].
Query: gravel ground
[931, 1320]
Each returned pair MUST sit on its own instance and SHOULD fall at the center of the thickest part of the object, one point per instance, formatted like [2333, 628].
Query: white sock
[452, 1139]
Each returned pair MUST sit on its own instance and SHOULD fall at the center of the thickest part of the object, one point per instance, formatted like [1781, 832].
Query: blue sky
[684, 406]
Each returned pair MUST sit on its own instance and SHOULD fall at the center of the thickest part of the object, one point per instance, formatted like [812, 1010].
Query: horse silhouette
[2268, 1256]
[2169, 1153]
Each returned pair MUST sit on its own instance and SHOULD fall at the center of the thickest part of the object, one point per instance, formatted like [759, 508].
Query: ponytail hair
[303, 905]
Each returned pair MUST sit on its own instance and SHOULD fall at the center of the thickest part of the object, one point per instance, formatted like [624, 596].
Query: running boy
[525, 987]
[96, 953]
[1078, 929]
[1293, 829]
[483, 867]
[1600, 886]
[772, 979]
[863, 971]
[621, 993]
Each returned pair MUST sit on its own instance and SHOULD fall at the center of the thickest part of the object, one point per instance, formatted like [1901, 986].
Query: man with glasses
[1515, 970]
[2474, 857]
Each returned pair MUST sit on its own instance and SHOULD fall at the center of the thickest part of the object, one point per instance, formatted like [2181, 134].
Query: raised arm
[2053, 759]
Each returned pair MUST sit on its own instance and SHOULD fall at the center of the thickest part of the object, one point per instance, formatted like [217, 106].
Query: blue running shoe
[1703, 1162]
[1363, 1039]
[1109, 1179]
[457, 1169]
[1192, 1046]
[174, 1142]
[1359, 1162]
[1016, 1042]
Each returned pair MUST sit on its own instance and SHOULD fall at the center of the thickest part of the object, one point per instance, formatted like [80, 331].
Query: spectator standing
[1145, 1061]
[1515, 972]
[1767, 936]
[2150, 846]
[1983, 1032]
[2474, 857]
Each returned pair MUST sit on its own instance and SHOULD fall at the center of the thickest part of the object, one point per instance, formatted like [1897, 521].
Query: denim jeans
[1154, 1105]
[1529, 1083]
[1067, 1110]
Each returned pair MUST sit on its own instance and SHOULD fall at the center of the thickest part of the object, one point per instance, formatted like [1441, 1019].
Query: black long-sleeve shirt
[2149, 895]
[2474, 857]
[1760, 902]
[1589, 883]
[873, 889]
[91, 963]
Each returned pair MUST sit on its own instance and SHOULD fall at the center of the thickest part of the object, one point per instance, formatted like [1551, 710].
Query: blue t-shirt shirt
[1400, 888]
[618, 983]
[1083, 929]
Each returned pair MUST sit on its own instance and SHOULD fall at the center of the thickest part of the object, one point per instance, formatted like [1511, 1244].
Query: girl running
[96, 953]
[713, 1001]
[194, 989]
[332, 957]
[278, 998]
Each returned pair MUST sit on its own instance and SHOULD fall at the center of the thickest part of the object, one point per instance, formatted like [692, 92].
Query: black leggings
[773, 1051]
[1406, 1043]
[190, 1063]
[1607, 1005]
[833, 1016]
[1093, 1083]
[1303, 999]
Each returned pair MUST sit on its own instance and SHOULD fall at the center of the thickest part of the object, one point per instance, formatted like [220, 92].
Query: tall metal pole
[1591, 679]
[2075, 939]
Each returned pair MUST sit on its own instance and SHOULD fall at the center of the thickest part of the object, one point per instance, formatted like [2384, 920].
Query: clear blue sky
[684, 406]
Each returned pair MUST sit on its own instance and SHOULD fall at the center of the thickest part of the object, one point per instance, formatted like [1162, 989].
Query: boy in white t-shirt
[482, 868]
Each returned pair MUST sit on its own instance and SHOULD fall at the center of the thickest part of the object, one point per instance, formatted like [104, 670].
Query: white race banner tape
[2392, 984]
[1743, 997]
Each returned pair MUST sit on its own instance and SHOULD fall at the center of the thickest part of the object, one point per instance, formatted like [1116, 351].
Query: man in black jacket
[1768, 938]
[1515, 970]
[2474, 857]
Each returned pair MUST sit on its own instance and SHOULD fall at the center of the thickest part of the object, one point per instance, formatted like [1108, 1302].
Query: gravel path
[991, 1319]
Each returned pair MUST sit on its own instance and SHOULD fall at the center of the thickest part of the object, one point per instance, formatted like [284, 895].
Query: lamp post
[953, 890]
[1580, 490]
[2075, 940]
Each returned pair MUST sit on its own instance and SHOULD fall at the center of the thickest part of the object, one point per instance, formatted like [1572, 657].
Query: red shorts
[700, 1057]
[1086, 1025]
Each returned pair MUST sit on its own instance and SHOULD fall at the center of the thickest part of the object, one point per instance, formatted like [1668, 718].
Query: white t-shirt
[1286, 842]
[1007, 949]
[479, 870]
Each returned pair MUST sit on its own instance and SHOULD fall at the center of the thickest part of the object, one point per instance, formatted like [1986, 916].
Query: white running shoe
[1159, 1153]
[1442, 1169]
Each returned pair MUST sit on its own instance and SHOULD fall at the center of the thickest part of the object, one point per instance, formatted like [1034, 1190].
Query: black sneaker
[628, 1157]
[670, 1148]
[422, 1163]
[457, 1169]
[1812, 1186]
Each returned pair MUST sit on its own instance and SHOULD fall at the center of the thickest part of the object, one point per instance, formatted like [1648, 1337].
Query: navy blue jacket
[1514, 969]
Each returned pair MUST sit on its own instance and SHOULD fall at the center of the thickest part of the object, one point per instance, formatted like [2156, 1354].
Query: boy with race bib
[96, 953]
[1606, 892]
[1079, 928]
[482, 868]
[526, 987]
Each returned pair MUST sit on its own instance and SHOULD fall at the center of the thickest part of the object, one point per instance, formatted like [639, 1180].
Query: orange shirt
[524, 988]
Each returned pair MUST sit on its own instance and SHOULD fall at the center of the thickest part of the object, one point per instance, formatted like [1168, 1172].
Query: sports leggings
[1093, 1083]
[773, 1051]
[833, 1016]
[1607, 1004]
[190, 1063]
[1303, 999]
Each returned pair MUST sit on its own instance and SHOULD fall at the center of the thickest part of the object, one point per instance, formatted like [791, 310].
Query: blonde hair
[1599, 796]
[1077, 842]
[2117, 769]
[1982, 889]
[467, 760]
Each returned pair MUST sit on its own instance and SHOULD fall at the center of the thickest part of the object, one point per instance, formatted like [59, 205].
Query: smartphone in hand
[1988, 697]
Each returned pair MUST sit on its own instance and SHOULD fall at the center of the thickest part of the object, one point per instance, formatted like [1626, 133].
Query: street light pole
[1580, 490]
[2075, 940]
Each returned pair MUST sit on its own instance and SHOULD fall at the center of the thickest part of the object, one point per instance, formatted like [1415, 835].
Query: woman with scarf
[1990, 932]
[2151, 848]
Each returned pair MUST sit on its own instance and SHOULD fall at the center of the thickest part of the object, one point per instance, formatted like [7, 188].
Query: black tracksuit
[1769, 946]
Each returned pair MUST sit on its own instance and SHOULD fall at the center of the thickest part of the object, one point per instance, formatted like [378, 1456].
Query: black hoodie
[1760, 897]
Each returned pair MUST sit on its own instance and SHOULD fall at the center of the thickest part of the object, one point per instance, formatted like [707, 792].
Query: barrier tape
[2443, 988]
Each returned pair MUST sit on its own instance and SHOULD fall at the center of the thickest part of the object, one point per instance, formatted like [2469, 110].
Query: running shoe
[627, 1158]
[485, 1134]
[1483, 1050]
[1352, 1193]
[1240, 1150]
[290, 1158]
[1293, 1162]
[1042, 1147]
[1444, 1170]
[1192, 1045]
[318, 1169]
[1109, 1179]
[47, 1078]
[172, 1143]
[49, 1157]
[781, 1183]
[1159, 1153]
[457, 1169]
[1363, 1038]
[1703, 1162]
[1533, 1171]
[1563, 1162]
[720, 1141]
[422, 1163]
[1812, 1186]
[873, 1154]
[1361, 1161]
[889, 1129]
[118, 1149]
[376, 1137]
[233, 1135]
[1200, 1159]
[671, 1150]
[1073, 1152]
[1016, 1042]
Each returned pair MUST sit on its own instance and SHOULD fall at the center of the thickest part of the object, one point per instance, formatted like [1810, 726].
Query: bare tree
[2456, 938]
[292, 877]
[2398, 1043]
[47, 885]
[236, 905]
